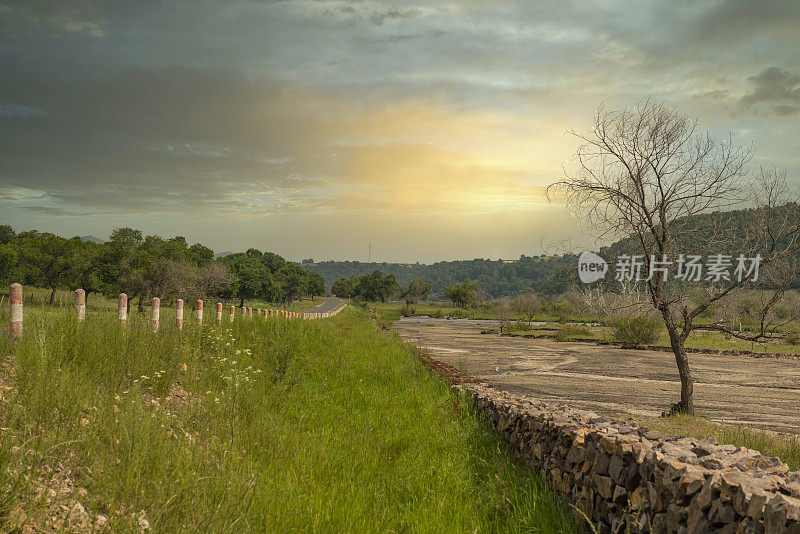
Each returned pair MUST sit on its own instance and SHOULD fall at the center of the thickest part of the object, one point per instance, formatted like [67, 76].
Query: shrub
[561, 310]
[437, 314]
[408, 310]
[793, 337]
[570, 332]
[636, 331]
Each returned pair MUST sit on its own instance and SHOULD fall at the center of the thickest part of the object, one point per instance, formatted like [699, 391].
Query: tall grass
[267, 426]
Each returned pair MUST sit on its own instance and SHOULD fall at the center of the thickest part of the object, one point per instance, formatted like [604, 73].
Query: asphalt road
[328, 305]
[762, 392]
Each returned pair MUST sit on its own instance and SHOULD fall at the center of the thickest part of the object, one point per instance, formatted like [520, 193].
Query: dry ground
[762, 392]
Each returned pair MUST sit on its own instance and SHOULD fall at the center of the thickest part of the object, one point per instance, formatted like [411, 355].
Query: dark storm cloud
[141, 138]
[734, 21]
[777, 89]
[49, 19]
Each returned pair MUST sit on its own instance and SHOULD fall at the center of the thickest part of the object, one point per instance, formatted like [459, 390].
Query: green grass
[391, 311]
[272, 425]
[784, 446]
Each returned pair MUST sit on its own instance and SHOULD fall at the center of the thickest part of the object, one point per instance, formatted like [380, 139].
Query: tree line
[149, 266]
[496, 277]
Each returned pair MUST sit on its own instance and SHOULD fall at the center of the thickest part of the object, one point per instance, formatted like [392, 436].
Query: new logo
[591, 267]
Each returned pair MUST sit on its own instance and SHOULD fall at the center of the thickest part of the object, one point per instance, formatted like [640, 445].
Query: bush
[793, 337]
[570, 332]
[408, 310]
[636, 331]
[561, 310]
[437, 314]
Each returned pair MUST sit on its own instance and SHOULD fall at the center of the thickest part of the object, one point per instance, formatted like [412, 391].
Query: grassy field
[392, 311]
[271, 426]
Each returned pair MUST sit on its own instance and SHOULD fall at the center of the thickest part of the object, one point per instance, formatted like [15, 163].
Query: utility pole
[370, 253]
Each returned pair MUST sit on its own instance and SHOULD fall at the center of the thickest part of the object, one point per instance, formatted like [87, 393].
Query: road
[758, 391]
[329, 305]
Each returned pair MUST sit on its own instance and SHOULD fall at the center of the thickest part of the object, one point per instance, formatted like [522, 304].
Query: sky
[313, 128]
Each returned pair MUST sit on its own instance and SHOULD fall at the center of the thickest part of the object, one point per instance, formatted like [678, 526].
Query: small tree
[649, 173]
[527, 304]
[503, 311]
[48, 259]
[462, 295]
[417, 290]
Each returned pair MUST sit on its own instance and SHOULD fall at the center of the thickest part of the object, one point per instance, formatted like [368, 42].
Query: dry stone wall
[630, 479]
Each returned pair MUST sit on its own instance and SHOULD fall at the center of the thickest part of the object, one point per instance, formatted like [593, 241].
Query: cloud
[362, 111]
[21, 111]
[776, 89]
[50, 18]
[407, 37]
[734, 21]
[393, 13]
[50, 210]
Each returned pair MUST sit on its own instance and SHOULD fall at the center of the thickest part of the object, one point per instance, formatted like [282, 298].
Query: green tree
[344, 287]
[7, 234]
[315, 284]
[9, 265]
[85, 269]
[201, 254]
[116, 266]
[417, 290]
[463, 294]
[273, 261]
[291, 281]
[48, 259]
[251, 277]
[370, 287]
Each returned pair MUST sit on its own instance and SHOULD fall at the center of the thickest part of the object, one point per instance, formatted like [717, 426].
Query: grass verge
[272, 425]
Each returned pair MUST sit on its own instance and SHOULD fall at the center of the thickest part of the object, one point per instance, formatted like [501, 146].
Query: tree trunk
[141, 303]
[53, 296]
[687, 384]
[241, 302]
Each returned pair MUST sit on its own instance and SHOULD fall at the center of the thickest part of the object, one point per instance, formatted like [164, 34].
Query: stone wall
[626, 478]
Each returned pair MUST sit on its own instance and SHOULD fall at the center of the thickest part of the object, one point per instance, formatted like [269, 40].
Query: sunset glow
[290, 125]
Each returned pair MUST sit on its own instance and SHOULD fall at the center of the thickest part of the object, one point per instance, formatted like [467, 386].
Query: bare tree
[597, 300]
[503, 310]
[527, 304]
[214, 279]
[648, 173]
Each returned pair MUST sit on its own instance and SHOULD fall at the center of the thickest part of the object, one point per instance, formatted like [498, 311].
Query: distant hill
[92, 239]
[555, 274]
[219, 255]
[718, 232]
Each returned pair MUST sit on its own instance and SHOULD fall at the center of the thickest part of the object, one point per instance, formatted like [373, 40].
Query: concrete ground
[762, 392]
[328, 305]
